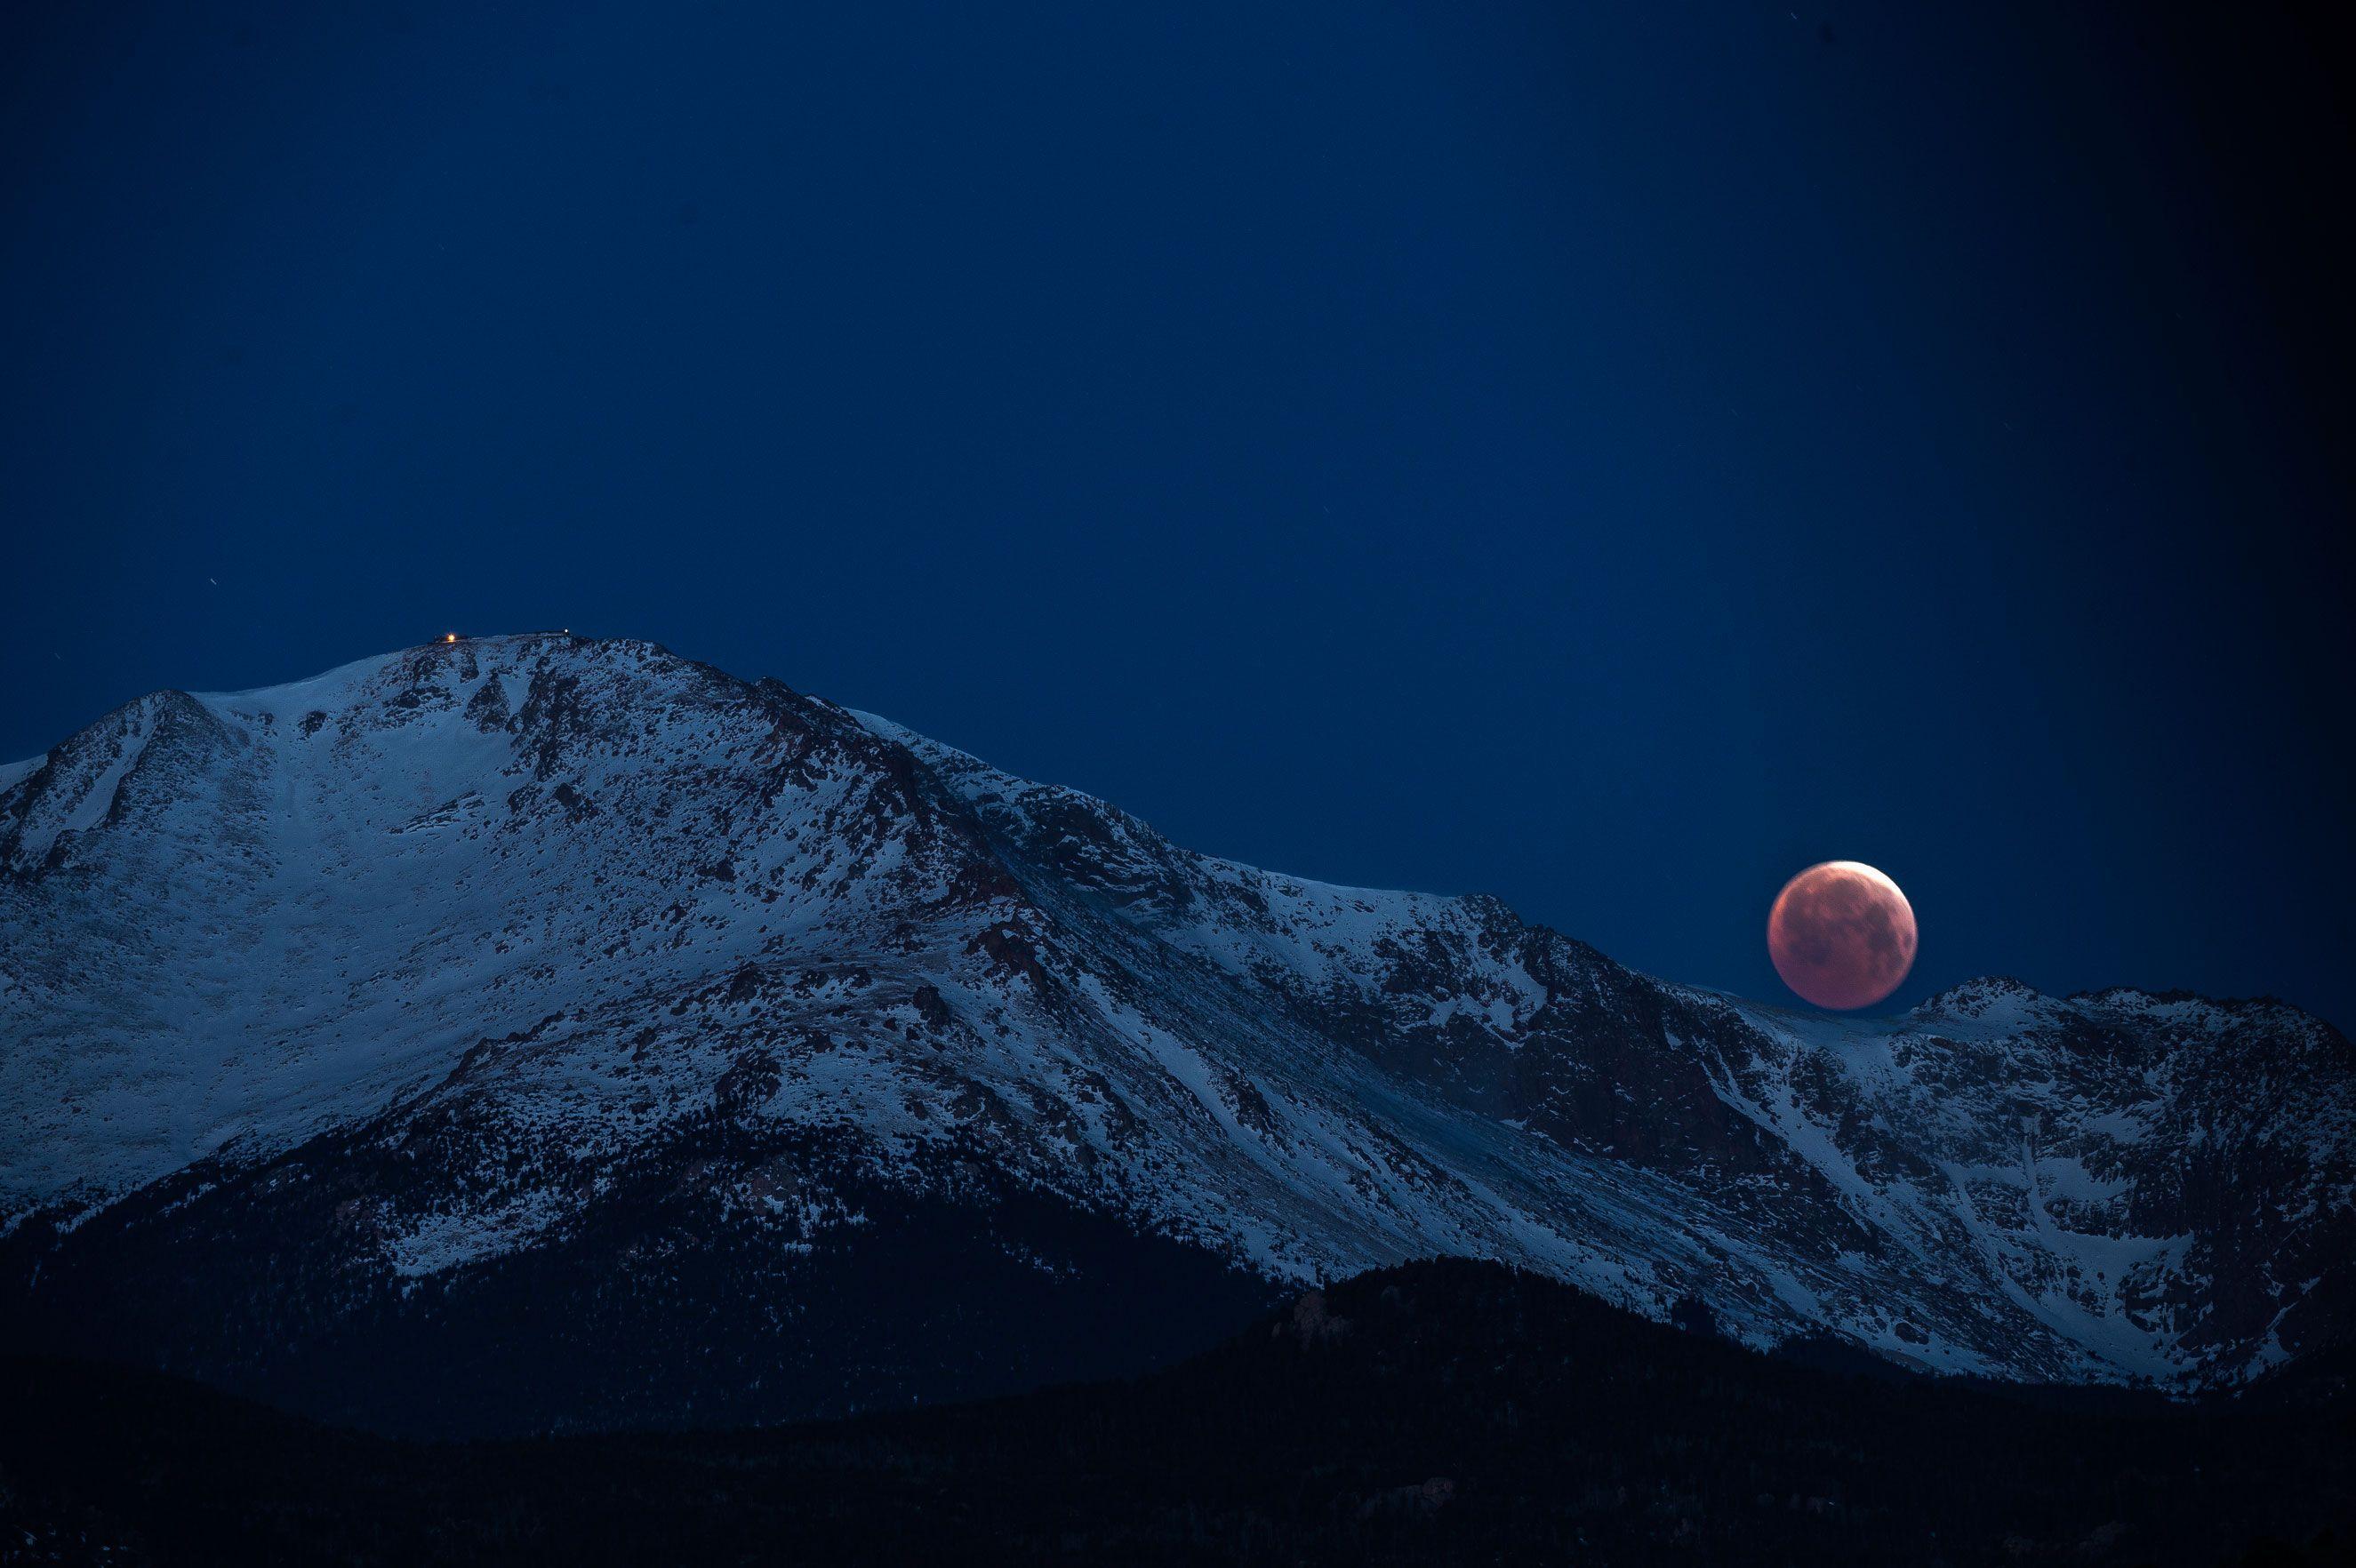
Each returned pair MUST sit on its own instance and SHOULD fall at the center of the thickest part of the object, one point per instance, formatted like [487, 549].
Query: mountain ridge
[510, 939]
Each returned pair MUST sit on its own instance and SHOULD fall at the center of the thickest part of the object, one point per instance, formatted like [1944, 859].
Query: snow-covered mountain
[534, 1030]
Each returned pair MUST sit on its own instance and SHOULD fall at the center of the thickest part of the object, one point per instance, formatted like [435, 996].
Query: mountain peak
[572, 967]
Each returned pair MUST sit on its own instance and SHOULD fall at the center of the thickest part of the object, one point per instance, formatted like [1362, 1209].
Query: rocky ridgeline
[534, 1030]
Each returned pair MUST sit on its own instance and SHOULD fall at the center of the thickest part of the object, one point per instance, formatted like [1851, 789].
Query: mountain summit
[535, 1030]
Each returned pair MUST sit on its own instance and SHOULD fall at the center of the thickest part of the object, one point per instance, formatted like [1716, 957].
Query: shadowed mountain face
[533, 1032]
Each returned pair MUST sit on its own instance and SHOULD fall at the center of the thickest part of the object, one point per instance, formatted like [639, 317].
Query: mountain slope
[534, 1030]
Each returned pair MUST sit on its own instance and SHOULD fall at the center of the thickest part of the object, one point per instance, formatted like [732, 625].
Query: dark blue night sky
[1608, 460]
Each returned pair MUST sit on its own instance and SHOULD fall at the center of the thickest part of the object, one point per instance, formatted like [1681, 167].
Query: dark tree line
[1447, 1412]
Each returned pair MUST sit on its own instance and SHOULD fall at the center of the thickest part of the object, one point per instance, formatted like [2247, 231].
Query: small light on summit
[450, 637]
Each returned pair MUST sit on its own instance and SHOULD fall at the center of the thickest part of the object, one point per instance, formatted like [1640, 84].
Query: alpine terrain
[538, 1031]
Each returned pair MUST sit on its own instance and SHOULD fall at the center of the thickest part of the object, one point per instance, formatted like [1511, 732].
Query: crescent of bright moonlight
[1841, 933]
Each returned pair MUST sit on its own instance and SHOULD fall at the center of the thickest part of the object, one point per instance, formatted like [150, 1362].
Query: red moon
[1841, 934]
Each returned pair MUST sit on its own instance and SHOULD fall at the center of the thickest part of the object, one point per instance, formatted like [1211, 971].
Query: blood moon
[1841, 934]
